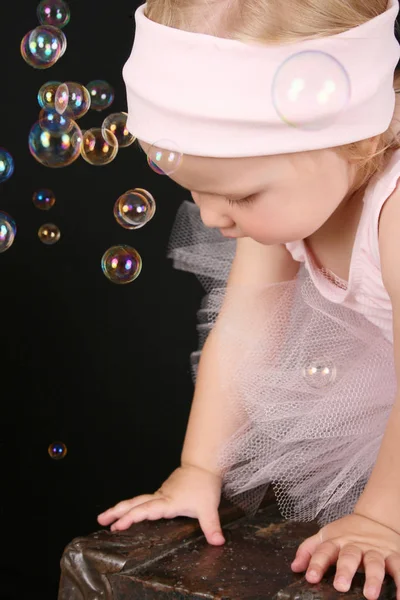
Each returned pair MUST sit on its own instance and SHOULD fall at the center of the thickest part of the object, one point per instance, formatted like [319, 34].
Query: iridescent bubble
[44, 199]
[319, 372]
[72, 98]
[99, 147]
[164, 157]
[42, 47]
[51, 120]
[55, 149]
[117, 124]
[121, 264]
[134, 209]
[53, 12]
[310, 89]
[101, 93]
[49, 234]
[57, 450]
[47, 93]
[8, 231]
[6, 165]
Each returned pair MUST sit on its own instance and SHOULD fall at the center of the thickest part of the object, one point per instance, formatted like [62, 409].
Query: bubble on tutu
[116, 123]
[42, 47]
[101, 93]
[51, 120]
[8, 231]
[99, 147]
[49, 234]
[57, 450]
[55, 149]
[164, 157]
[319, 372]
[6, 165]
[72, 98]
[53, 12]
[310, 89]
[44, 199]
[134, 209]
[47, 93]
[121, 264]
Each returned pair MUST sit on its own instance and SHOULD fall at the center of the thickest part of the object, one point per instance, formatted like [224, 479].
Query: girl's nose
[214, 218]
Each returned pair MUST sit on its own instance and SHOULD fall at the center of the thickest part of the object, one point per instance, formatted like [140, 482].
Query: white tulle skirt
[310, 383]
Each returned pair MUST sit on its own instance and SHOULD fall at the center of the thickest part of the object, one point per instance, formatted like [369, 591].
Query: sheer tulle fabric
[310, 383]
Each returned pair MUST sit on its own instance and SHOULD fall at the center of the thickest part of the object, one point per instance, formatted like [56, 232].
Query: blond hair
[275, 22]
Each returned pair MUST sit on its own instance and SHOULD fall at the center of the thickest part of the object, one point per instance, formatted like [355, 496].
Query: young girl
[282, 124]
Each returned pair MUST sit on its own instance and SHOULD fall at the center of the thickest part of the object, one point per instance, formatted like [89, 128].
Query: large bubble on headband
[6, 165]
[73, 98]
[44, 199]
[53, 12]
[164, 157]
[121, 264]
[101, 93]
[55, 149]
[310, 89]
[134, 209]
[99, 147]
[49, 234]
[42, 47]
[47, 93]
[116, 123]
[8, 231]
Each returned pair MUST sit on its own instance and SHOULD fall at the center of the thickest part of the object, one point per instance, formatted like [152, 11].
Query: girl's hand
[188, 492]
[355, 543]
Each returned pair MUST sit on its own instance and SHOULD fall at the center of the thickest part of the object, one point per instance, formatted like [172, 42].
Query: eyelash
[247, 200]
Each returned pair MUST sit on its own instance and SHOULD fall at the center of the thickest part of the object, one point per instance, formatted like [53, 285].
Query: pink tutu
[310, 382]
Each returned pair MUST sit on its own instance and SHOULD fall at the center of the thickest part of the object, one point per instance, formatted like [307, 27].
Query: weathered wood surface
[170, 559]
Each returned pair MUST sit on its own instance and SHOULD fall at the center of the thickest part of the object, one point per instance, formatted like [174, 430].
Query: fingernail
[312, 574]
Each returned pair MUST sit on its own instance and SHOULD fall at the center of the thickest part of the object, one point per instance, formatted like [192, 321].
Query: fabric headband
[219, 97]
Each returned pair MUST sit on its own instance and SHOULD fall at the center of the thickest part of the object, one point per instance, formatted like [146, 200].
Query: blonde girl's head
[275, 22]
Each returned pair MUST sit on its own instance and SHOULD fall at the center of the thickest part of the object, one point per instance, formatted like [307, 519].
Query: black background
[103, 368]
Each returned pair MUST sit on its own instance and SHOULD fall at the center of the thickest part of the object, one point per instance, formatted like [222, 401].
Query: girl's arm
[211, 421]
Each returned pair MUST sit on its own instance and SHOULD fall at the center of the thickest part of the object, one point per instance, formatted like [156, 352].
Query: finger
[211, 527]
[121, 508]
[374, 564]
[350, 558]
[305, 552]
[151, 511]
[393, 568]
[325, 555]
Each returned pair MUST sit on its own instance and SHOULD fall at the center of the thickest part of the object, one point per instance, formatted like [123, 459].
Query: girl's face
[271, 199]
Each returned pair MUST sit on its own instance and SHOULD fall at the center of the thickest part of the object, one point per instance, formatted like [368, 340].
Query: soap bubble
[134, 209]
[121, 264]
[310, 89]
[57, 450]
[53, 12]
[164, 157]
[8, 231]
[49, 234]
[47, 93]
[55, 149]
[117, 124]
[73, 98]
[99, 147]
[6, 165]
[44, 199]
[101, 93]
[51, 120]
[319, 372]
[42, 47]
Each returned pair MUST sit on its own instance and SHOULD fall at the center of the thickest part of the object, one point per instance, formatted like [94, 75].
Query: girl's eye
[247, 200]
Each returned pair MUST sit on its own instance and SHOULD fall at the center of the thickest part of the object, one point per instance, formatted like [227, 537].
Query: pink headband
[213, 96]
